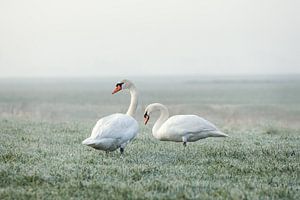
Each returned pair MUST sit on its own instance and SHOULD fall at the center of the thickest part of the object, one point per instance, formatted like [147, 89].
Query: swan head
[122, 85]
[151, 108]
[147, 113]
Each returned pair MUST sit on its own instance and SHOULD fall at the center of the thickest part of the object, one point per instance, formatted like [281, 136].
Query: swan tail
[218, 134]
[88, 141]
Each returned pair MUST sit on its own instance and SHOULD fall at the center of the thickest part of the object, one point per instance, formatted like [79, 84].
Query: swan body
[116, 130]
[180, 128]
[113, 132]
[192, 127]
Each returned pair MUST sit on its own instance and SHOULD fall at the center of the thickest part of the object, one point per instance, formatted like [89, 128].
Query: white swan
[180, 128]
[116, 130]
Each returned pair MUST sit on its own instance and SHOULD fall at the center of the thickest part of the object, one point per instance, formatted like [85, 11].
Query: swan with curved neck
[116, 130]
[180, 128]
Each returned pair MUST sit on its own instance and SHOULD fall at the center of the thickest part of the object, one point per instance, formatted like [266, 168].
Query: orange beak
[146, 119]
[117, 89]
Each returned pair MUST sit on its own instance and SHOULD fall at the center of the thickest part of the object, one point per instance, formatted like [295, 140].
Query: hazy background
[133, 37]
[235, 63]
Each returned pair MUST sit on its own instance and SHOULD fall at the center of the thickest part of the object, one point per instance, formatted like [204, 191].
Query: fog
[133, 37]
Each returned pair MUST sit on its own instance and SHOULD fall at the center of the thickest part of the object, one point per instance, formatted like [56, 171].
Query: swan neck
[164, 115]
[133, 102]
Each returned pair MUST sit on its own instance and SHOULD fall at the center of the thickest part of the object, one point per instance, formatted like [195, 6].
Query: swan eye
[119, 85]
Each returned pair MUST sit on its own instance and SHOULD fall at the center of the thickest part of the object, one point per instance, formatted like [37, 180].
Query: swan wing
[116, 126]
[183, 124]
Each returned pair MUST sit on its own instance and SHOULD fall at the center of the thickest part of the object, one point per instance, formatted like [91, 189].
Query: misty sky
[135, 37]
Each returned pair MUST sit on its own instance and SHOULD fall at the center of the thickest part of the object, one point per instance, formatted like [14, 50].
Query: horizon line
[151, 75]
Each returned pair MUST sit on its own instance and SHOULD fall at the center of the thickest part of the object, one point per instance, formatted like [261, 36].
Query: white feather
[112, 131]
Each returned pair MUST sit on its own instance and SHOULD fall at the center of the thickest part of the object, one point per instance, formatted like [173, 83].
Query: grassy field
[42, 124]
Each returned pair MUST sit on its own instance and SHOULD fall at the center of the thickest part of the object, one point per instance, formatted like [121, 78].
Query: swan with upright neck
[180, 128]
[116, 130]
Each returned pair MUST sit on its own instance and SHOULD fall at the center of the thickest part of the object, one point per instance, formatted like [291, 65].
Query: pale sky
[155, 37]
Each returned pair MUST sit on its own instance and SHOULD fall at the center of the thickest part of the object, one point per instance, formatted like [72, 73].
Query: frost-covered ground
[43, 121]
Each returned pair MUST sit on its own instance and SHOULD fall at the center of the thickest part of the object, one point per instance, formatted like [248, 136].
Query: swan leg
[122, 147]
[184, 141]
[121, 150]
